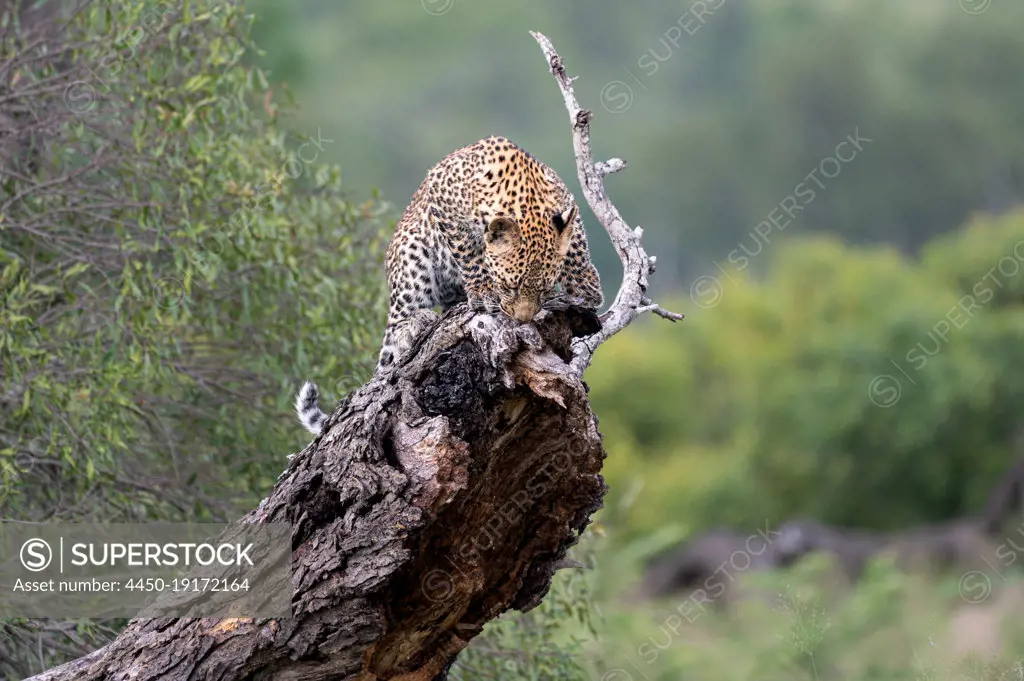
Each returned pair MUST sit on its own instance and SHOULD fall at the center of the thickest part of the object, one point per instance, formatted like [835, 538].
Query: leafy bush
[849, 384]
[174, 262]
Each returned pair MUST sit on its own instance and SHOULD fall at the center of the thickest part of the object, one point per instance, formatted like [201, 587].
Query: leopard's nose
[525, 311]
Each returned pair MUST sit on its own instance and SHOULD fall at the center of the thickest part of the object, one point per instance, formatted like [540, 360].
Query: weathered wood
[439, 496]
[632, 299]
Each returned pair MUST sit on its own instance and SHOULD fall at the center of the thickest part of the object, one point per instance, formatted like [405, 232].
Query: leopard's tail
[308, 408]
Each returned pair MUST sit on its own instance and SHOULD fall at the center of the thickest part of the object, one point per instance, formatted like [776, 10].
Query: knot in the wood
[583, 117]
[556, 65]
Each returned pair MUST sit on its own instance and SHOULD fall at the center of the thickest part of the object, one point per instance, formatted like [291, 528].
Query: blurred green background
[721, 107]
[832, 190]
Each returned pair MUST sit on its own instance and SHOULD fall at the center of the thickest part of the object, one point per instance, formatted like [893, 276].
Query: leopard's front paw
[401, 335]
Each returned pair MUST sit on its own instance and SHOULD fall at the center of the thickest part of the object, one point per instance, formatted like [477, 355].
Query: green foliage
[174, 261]
[157, 337]
[802, 623]
[852, 385]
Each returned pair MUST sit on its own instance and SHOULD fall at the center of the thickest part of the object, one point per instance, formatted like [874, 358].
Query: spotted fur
[490, 224]
[307, 406]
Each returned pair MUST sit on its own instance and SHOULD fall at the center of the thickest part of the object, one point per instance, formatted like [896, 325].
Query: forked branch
[631, 299]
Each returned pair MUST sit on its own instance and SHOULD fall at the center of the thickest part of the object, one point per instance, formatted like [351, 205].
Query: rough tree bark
[441, 494]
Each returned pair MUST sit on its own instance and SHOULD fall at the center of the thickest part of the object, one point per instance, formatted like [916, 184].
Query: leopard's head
[524, 258]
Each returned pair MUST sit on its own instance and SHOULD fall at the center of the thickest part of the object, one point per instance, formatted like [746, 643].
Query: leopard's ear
[563, 228]
[565, 219]
[502, 234]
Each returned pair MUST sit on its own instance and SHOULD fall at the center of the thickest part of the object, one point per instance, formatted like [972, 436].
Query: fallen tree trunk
[441, 494]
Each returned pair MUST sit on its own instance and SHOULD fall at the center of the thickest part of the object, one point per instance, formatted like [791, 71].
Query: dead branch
[631, 299]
